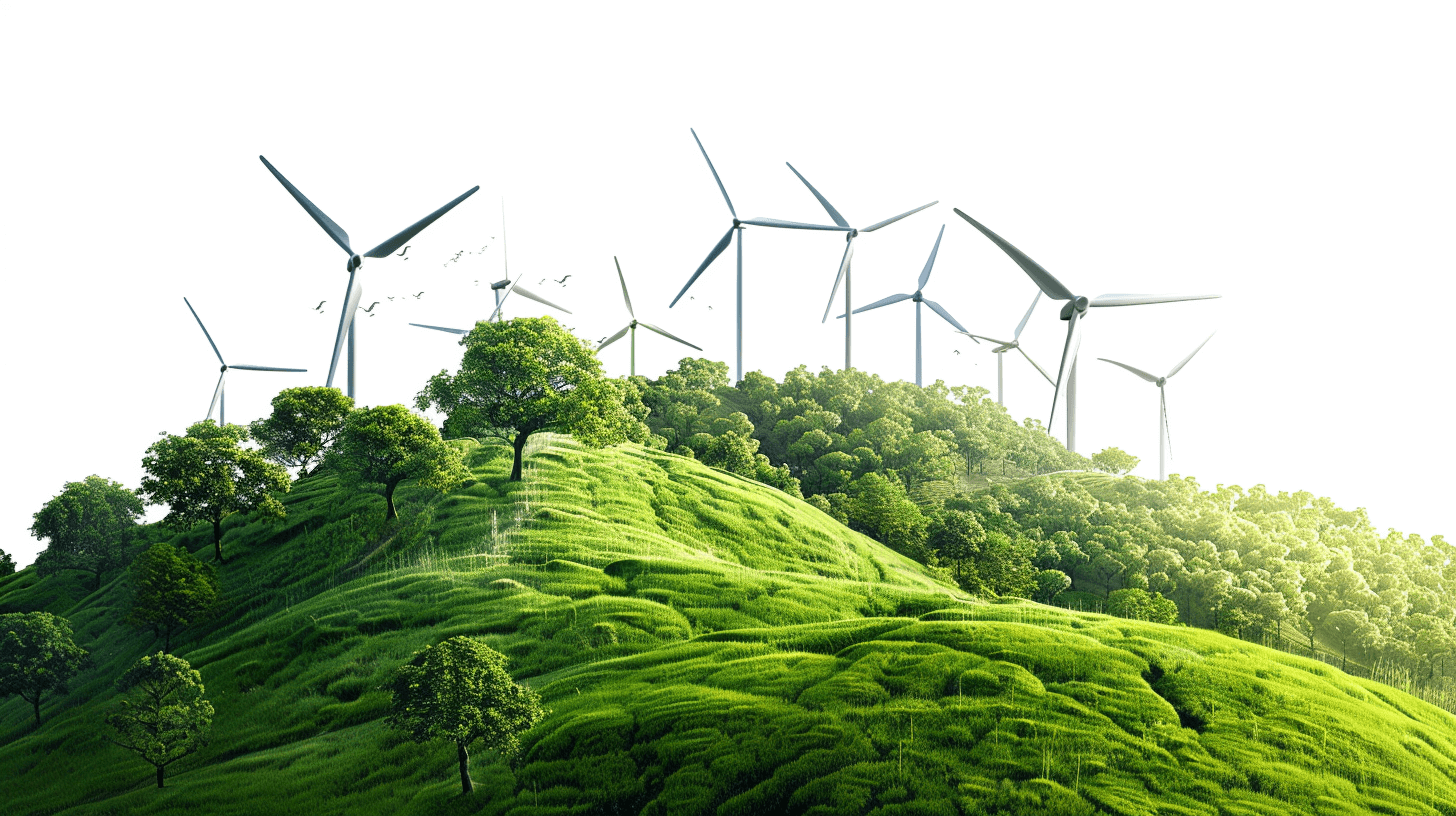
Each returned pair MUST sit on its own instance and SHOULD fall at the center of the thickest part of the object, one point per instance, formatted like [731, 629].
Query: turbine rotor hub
[224, 367]
[1162, 380]
[355, 262]
[849, 236]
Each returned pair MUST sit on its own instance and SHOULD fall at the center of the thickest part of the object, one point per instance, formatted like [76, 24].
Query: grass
[706, 645]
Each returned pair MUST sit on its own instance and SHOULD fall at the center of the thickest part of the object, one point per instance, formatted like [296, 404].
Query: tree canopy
[303, 424]
[388, 444]
[7, 563]
[38, 655]
[171, 590]
[1114, 460]
[162, 717]
[89, 526]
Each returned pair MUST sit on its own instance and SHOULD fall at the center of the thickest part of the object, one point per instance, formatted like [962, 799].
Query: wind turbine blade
[668, 336]
[614, 338]
[1179, 367]
[1042, 278]
[1049, 379]
[979, 337]
[1027, 316]
[204, 331]
[521, 290]
[334, 230]
[351, 302]
[1145, 375]
[930, 262]
[625, 297]
[843, 268]
[1069, 358]
[782, 224]
[267, 368]
[712, 256]
[882, 302]
[1139, 300]
[714, 170]
[216, 393]
[936, 307]
[829, 208]
[388, 247]
[442, 328]
[888, 221]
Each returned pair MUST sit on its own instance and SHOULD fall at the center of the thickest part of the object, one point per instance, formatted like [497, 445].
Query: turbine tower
[1164, 440]
[848, 255]
[919, 299]
[722, 244]
[356, 290]
[632, 327]
[1073, 312]
[219, 397]
[1008, 345]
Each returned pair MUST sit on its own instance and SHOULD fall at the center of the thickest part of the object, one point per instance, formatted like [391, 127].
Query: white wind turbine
[919, 299]
[1165, 442]
[1007, 345]
[219, 400]
[1073, 312]
[844, 264]
[503, 290]
[727, 238]
[632, 327]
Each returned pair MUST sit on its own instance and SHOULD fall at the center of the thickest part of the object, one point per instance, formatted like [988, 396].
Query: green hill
[707, 645]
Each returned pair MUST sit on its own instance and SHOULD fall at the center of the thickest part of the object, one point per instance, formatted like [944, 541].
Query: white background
[1295, 158]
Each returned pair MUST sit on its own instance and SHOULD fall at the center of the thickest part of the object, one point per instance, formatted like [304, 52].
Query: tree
[956, 537]
[89, 526]
[388, 444]
[166, 718]
[1114, 460]
[303, 424]
[37, 656]
[207, 476]
[7, 564]
[732, 452]
[526, 375]
[173, 590]
[1050, 583]
[459, 691]
[879, 508]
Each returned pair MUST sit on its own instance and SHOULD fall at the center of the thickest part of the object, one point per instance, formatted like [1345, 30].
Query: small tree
[7, 564]
[459, 691]
[526, 375]
[1114, 460]
[207, 476]
[956, 537]
[37, 656]
[89, 526]
[879, 508]
[165, 718]
[303, 424]
[388, 444]
[1050, 583]
[173, 590]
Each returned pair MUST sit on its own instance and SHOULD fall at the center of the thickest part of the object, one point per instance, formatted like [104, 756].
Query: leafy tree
[37, 656]
[522, 376]
[956, 537]
[1114, 460]
[732, 452]
[303, 424]
[880, 509]
[207, 476]
[459, 691]
[173, 589]
[1139, 605]
[1005, 565]
[7, 564]
[166, 718]
[89, 526]
[1050, 583]
[388, 444]
[1352, 628]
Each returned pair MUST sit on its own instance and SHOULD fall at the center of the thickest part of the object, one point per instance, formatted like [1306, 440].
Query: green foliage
[7, 563]
[879, 508]
[303, 424]
[89, 527]
[171, 590]
[459, 691]
[1139, 605]
[37, 656]
[1051, 583]
[165, 717]
[207, 475]
[732, 452]
[1114, 460]
[956, 537]
[388, 444]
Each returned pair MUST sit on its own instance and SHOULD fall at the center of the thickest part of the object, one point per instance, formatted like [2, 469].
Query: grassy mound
[706, 645]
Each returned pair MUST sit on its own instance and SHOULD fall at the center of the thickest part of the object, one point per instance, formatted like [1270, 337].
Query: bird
[957, 351]
[371, 307]
[403, 251]
[543, 280]
[710, 308]
[391, 298]
[562, 281]
[690, 297]
[602, 340]
[421, 293]
[320, 307]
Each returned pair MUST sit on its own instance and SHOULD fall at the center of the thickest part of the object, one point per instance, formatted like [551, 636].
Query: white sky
[1295, 158]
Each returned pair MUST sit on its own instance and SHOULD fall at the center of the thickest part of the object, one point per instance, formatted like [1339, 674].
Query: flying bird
[957, 351]
[371, 308]
[403, 251]
[562, 281]
[418, 296]
[320, 307]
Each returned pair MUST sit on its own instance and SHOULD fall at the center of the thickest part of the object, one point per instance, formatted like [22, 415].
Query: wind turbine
[1164, 440]
[738, 224]
[504, 288]
[1073, 312]
[848, 254]
[219, 401]
[632, 327]
[356, 290]
[919, 299]
[1008, 345]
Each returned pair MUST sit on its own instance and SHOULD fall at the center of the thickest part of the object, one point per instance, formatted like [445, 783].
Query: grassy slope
[706, 645]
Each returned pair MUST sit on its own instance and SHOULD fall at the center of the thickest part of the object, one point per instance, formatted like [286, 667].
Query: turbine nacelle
[354, 263]
[1078, 304]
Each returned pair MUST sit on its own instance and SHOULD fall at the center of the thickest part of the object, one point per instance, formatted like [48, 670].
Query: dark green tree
[1114, 460]
[89, 526]
[172, 590]
[388, 444]
[956, 537]
[207, 476]
[879, 508]
[37, 656]
[1050, 583]
[303, 424]
[732, 452]
[7, 564]
[164, 717]
[526, 375]
[459, 691]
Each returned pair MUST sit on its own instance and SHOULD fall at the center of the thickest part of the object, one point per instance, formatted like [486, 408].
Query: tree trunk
[464, 756]
[160, 770]
[217, 540]
[520, 445]
[389, 501]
